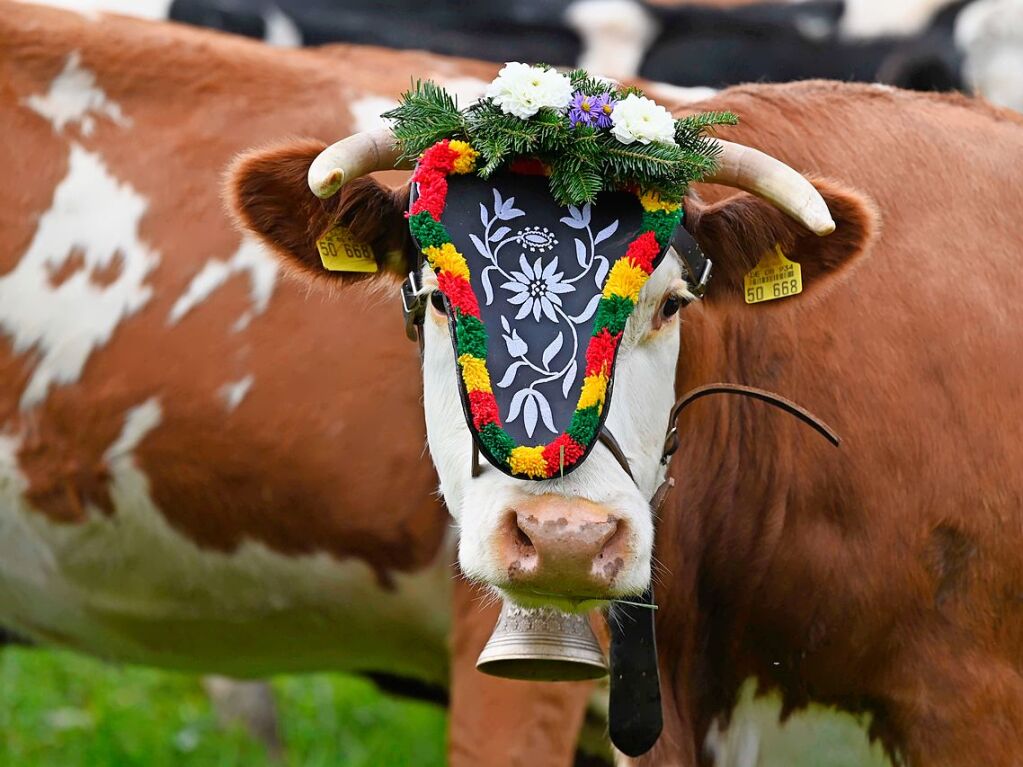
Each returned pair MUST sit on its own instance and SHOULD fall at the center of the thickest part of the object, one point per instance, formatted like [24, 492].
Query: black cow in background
[794, 41]
[686, 45]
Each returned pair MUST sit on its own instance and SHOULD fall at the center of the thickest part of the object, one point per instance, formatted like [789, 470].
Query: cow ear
[267, 192]
[736, 232]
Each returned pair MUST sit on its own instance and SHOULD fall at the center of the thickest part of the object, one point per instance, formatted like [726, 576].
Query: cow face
[577, 536]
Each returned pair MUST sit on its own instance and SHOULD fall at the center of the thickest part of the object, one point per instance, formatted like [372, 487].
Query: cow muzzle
[565, 548]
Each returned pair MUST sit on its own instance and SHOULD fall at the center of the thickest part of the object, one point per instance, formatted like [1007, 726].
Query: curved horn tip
[327, 187]
[823, 226]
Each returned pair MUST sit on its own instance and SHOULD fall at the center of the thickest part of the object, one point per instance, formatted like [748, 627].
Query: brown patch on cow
[75, 262]
[104, 276]
[949, 557]
[267, 191]
[65, 466]
[100, 276]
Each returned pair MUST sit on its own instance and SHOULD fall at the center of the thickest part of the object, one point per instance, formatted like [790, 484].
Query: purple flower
[591, 111]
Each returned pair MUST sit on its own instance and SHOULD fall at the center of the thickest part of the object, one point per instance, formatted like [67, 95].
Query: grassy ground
[59, 709]
[63, 710]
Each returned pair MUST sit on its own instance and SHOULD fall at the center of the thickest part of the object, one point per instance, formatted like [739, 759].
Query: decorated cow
[535, 244]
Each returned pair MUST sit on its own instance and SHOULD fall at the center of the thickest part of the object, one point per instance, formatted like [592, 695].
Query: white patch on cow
[366, 112]
[145, 9]
[74, 97]
[252, 259]
[95, 217]
[874, 18]
[736, 746]
[138, 422]
[466, 90]
[128, 586]
[233, 393]
[281, 31]
[756, 733]
[615, 34]
[678, 93]
[990, 35]
[25, 555]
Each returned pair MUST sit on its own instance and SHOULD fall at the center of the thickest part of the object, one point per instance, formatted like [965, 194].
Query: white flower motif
[536, 288]
[517, 347]
[637, 118]
[537, 240]
[522, 90]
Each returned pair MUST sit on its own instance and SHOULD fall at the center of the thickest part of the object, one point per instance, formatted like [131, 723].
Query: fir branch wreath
[590, 134]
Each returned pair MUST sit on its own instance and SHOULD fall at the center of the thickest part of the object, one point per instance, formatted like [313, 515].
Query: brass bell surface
[542, 644]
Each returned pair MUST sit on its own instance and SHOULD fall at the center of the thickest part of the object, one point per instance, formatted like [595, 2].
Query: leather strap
[671, 440]
[697, 265]
[605, 437]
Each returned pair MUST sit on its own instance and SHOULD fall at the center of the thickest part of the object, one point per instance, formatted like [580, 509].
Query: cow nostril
[614, 543]
[523, 541]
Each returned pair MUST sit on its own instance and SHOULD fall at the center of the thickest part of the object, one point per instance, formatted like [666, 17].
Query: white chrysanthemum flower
[522, 90]
[637, 118]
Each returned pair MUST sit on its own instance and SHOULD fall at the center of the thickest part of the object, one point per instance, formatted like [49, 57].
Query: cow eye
[437, 301]
[671, 306]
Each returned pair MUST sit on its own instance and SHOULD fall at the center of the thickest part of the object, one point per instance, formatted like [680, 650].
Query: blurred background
[59, 709]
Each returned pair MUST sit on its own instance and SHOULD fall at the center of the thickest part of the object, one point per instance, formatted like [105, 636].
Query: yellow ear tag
[341, 252]
[773, 277]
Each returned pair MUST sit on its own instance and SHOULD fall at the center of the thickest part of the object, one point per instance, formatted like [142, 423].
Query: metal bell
[542, 644]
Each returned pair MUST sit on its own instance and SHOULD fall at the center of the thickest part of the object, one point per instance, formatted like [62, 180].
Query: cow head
[577, 535]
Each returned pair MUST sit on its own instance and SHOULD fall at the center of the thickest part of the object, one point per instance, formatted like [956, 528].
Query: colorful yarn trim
[621, 292]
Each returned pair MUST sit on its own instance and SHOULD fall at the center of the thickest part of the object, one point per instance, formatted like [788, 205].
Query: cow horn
[760, 174]
[351, 158]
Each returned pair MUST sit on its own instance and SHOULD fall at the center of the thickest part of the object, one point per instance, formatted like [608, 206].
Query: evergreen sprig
[583, 160]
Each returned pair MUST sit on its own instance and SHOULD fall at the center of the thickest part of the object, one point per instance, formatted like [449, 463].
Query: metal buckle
[700, 287]
[413, 307]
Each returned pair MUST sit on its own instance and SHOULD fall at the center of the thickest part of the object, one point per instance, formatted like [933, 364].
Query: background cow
[172, 490]
[713, 43]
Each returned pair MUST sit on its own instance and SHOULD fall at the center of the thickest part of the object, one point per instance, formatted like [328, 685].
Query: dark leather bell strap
[634, 711]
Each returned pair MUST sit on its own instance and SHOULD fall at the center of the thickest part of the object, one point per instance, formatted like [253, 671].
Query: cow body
[173, 486]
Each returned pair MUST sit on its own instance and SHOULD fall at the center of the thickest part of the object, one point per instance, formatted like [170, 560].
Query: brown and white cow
[172, 490]
[883, 577]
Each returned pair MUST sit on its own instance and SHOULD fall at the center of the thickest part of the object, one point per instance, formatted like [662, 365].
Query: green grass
[58, 709]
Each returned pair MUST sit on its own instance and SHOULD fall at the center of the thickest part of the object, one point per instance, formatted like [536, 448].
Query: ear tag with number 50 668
[773, 277]
[341, 252]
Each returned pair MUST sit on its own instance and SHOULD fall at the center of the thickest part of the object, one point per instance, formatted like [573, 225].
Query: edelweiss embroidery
[532, 288]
